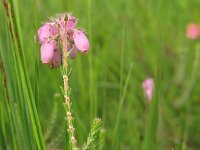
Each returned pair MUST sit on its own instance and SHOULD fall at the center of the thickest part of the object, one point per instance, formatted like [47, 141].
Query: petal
[71, 22]
[47, 50]
[43, 33]
[53, 29]
[56, 57]
[81, 40]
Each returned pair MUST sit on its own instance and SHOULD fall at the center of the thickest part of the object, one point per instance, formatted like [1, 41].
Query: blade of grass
[2, 122]
[150, 135]
[27, 80]
[15, 98]
[93, 102]
[192, 81]
[151, 130]
[27, 87]
[186, 131]
[5, 112]
[36, 88]
[121, 104]
[23, 112]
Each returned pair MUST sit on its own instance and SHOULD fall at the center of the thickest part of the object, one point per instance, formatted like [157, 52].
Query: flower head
[148, 87]
[193, 31]
[54, 33]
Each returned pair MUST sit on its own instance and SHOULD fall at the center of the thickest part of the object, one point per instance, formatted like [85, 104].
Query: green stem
[192, 81]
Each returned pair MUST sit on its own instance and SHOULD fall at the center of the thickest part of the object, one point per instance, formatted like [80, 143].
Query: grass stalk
[24, 78]
[192, 81]
[93, 102]
[120, 105]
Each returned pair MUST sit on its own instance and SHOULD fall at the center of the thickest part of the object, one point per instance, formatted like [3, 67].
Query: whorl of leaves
[93, 135]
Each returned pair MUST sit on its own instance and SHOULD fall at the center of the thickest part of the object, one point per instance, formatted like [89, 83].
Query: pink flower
[81, 41]
[148, 87]
[47, 51]
[45, 32]
[58, 30]
[193, 31]
[71, 22]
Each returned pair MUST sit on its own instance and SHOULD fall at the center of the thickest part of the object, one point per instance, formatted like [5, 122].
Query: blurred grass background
[150, 35]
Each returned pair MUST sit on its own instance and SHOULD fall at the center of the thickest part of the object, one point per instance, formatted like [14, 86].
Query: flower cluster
[58, 31]
[193, 31]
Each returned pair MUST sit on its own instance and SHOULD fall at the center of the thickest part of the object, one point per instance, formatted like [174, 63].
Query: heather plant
[61, 33]
[135, 65]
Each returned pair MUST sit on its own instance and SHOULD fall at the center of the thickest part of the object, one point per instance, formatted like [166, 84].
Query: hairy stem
[68, 103]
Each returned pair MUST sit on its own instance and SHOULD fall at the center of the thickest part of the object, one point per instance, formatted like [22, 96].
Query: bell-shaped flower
[47, 51]
[81, 41]
[148, 87]
[46, 31]
[71, 22]
[193, 31]
[43, 33]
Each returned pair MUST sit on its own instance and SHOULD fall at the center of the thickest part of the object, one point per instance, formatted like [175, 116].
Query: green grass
[148, 35]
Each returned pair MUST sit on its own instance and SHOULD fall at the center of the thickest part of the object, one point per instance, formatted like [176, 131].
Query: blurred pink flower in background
[193, 31]
[59, 29]
[148, 87]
